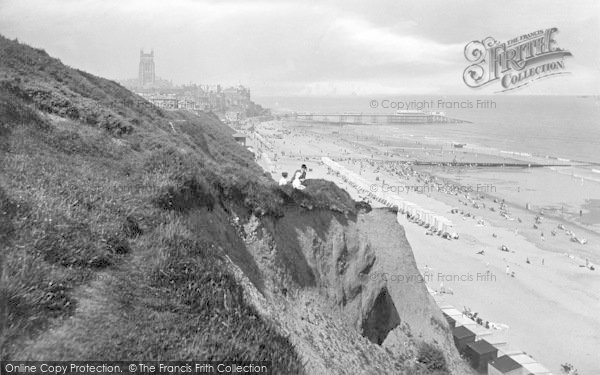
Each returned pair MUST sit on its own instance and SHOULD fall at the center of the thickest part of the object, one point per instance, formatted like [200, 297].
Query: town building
[232, 104]
[164, 101]
[146, 74]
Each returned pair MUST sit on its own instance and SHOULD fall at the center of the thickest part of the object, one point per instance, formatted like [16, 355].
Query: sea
[567, 127]
[555, 128]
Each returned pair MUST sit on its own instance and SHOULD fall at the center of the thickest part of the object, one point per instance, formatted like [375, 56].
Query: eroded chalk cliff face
[327, 286]
[334, 254]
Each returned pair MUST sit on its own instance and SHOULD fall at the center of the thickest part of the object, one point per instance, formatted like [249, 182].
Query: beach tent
[427, 217]
[437, 223]
[462, 337]
[505, 365]
[423, 216]
[480, 353]
[446, 226]
[411, 208]
[396, 202]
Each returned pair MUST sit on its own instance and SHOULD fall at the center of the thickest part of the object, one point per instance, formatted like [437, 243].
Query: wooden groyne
[404, 118]
[487, 164]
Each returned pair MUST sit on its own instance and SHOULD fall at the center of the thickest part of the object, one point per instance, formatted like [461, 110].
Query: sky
[304, 48]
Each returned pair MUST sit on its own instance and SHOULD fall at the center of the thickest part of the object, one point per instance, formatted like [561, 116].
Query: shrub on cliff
[432, 359]
[192, 193]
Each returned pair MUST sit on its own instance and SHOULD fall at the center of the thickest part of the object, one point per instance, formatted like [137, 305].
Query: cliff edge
[128, 232]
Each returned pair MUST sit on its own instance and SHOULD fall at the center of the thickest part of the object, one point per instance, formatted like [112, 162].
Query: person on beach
[283, 180]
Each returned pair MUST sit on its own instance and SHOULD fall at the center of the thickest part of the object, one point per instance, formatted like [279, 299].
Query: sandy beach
[551, 304]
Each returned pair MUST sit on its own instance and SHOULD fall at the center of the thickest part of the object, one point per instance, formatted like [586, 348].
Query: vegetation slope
[113, 224]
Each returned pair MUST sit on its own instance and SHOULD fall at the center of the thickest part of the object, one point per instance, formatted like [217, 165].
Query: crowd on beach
[469, 200]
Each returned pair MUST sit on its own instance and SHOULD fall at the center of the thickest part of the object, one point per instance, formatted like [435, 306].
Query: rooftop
[536, 369]
[462, 332]
[523, 358]
[505, 364]
[482, 347]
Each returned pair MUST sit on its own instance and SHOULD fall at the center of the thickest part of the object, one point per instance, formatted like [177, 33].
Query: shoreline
[551, 281]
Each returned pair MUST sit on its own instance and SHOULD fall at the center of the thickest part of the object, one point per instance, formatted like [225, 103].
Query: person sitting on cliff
[283, 180]
[302, 171]
[296, 183]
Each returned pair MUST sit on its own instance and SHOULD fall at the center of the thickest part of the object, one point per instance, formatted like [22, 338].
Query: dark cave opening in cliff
[381, 318]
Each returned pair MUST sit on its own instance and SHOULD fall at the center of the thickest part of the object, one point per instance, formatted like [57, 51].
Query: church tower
[146, 72]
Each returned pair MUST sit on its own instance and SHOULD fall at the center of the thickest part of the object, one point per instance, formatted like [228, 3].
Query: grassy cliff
[114, 224]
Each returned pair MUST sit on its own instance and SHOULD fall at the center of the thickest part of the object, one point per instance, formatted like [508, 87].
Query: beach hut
[429, 218]
[437, 223]
[412, 210]
[483, 333]
[462, 337]
[535, 369]
[462, 320]
[505, 365]
[480, 353]
[451, 311]
[522, 358]
[451, 321]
